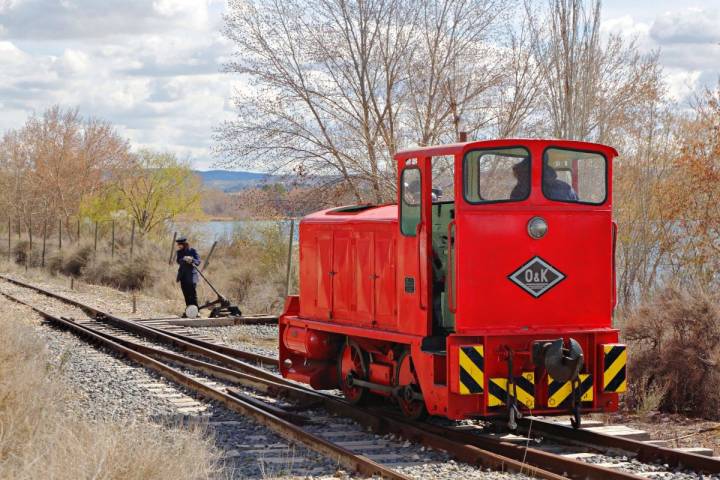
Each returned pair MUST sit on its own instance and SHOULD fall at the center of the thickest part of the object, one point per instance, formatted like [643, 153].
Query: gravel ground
[260, 339]
[678, 430]
[109, 388]
[251, 450]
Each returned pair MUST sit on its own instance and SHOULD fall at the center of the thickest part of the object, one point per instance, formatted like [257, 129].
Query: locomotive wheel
[412, 408]
[352, 363]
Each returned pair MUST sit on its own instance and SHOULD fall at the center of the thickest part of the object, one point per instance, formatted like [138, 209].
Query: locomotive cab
[487, 290]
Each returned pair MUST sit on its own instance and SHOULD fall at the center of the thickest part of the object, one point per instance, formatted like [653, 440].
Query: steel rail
[224, 349]
[151, 333]
[276, 385]
[445, 437]
[644, 452]
[281, 387]
[282, 427]
[569, 467]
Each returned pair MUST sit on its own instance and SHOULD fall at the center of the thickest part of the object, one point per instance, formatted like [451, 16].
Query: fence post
[96, 229]
[42, 260]
[60, 235]
[172, 248]
[112, 248]
[289, 257]
[207, 260]
[78, 232]
[132, 239]
[27, 258]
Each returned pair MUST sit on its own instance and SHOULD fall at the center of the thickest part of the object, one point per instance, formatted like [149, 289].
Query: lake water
[205, 233]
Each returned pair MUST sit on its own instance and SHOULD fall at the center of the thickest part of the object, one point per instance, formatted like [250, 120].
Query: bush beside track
[674, 354]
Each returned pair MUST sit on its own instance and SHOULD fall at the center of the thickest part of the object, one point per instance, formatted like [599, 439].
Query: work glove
[188, 259]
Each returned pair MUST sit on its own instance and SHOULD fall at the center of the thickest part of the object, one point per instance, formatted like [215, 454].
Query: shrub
[674, 353]
[22, 254]
[20, 251]
[77, 259]
[133, 275]
[54, 263]
[100, 272]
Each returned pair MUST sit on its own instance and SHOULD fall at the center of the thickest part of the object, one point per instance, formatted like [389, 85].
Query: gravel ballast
[109, 388]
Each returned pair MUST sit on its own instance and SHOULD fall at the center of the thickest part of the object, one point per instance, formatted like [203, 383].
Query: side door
[385, 280]
[343, 277]
[413, 259]
[365, 278]
[324, 277]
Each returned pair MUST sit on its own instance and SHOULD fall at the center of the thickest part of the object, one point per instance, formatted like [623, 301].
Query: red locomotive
[487, 290]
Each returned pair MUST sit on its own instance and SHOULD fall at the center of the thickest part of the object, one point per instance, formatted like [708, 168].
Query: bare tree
[454, 66]
[589, 87]
[338, 86]
[516, 97]
[55, 161]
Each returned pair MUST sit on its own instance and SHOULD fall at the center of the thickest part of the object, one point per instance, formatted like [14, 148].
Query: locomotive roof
[453, 148]
[349, 213]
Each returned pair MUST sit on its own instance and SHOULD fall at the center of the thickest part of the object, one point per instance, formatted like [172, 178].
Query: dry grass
[674, 354]
[39, 438]
[249, 268]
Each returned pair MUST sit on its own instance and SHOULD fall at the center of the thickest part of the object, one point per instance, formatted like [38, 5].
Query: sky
[153, 67]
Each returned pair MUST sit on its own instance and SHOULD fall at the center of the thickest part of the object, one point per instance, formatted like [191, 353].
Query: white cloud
[688, 39]
[626, 25]
[73, 62]
[10, 54]
[681, 83]
[691, 25]
[48, 19]
[150, 68]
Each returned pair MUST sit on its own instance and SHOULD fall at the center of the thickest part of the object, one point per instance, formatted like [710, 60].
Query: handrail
[614, 263]
[451, 267]
[418, 286]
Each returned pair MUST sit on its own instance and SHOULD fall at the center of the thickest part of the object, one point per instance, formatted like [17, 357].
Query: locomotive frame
[454, 308]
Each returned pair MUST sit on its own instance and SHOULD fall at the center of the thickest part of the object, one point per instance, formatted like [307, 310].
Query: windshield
[574, 176]
[499, 175]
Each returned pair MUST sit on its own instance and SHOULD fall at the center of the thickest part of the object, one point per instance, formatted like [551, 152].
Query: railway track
[174, 355]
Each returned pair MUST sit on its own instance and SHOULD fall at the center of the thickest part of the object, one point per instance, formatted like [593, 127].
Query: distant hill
[233, 181]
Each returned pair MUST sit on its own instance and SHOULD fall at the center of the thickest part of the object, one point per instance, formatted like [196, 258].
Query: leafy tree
[156, 189]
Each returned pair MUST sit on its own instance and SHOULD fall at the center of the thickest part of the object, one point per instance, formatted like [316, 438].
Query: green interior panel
[442, 214]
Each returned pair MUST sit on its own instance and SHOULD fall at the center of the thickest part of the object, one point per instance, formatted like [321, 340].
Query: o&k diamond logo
[536, 277]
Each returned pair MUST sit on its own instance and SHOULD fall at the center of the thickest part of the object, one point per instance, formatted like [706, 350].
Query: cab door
[415, 225]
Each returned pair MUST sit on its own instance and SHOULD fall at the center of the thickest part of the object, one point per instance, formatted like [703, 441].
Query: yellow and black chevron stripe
[524, 390]
[614, 362]
[559, 393]
[472, 370]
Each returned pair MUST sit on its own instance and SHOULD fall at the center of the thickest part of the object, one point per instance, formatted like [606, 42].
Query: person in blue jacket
[187, 259]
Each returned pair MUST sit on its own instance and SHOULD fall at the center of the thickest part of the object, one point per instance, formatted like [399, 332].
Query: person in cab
[553, 187]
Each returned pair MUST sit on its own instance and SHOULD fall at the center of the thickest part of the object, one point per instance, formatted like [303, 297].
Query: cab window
[574, 176]
[500, 175]
[410, 201]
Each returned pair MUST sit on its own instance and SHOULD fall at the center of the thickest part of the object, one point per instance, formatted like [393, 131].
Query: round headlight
[537, 227]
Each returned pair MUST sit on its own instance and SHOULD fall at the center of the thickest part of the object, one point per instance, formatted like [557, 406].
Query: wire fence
[34, 245]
